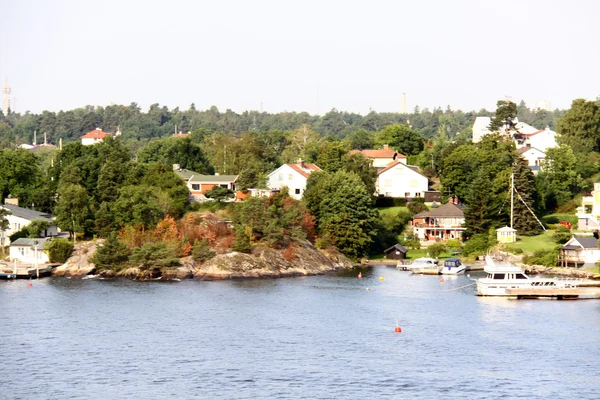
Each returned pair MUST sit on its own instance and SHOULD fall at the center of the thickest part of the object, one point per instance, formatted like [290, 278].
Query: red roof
[533, 133]
[384, 153]
[95, 134]
[308, 168]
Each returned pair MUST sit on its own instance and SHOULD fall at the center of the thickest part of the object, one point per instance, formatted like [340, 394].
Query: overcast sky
[299, 55]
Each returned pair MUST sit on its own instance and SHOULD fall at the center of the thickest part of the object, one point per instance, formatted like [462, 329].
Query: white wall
[533, 156]
[17, 223]
[286, 176]
[27, 255]
[543, 140]
[89, 141]
[400, 180]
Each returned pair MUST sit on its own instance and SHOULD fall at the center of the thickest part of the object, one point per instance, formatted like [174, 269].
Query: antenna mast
[512, 197]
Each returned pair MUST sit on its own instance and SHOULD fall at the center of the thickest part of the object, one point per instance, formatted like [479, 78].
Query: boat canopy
[452, 262]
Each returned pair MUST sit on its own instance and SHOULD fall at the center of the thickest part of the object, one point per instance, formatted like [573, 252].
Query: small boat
[453, 266]
[425, 266]
[503, 278]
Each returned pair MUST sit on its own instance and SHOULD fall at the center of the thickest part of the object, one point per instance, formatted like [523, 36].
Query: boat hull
[453, 271]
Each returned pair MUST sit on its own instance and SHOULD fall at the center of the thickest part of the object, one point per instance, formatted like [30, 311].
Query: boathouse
[396, 252]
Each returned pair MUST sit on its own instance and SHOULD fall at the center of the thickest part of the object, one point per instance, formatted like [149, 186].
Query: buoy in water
[397, 329]
[359, 275]
[442, 280]
[30, 284]
[381, 278]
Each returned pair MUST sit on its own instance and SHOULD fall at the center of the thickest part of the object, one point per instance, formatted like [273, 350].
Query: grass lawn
[572, 218]
[530, 244]
[392, 210]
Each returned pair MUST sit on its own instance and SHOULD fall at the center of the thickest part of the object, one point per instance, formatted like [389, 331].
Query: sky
[312, 56]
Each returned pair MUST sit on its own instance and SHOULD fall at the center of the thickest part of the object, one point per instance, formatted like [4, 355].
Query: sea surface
[323, 337]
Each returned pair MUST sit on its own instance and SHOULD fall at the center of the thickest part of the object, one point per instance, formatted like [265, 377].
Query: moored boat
[505, 279]
[453, 266]
[425, 266]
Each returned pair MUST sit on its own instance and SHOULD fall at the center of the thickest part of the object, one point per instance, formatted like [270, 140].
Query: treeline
[160, 121]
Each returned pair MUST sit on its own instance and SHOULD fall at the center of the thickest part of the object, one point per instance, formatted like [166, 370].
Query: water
[321, 337]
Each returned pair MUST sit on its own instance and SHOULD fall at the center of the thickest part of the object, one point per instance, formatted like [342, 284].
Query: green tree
[505, 116]
[201, 251]
[436, 249]
[111, 255]
[36, 227]
[482, 208]
[4, 225]
[363, 167]
[219, 193]
[525, 201]
[330, 156]
[559, 179]
[402, 138]
[580, 126]
[72, 210]
[137, 205]
[59, 250]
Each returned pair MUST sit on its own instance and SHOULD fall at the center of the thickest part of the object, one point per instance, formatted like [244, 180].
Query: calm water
[303, 338]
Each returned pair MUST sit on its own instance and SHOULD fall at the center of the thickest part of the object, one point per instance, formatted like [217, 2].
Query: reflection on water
[300, 338]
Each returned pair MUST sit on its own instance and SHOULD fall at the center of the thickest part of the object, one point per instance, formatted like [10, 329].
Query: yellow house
[506, 235]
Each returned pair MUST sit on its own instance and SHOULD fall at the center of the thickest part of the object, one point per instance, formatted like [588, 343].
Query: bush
[111, 255]
[59, 250]
[436, 249]
[411, 242]
[154, 255]
[416, 206]
[548, 258]
[383, 201]
[562, 235]
[201, 251]
[550, 220]
[454, 244]
[242, 240]
[477, 244]
[517, 250]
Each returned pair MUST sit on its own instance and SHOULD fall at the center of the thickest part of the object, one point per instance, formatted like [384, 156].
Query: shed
[506, 235]
[396, 252]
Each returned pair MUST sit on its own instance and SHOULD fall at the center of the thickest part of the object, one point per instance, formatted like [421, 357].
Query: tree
[219, 193]
[436, 249]
[59, 250]
[330, 156]
[201, 251]
[580, 126]
[401, 138]
[111, 254]
[482, 208]
[4, 225]
[137, 205]
[559, 178]
[525, 200]
[363, 167]
[72, 210]
[505, 116]
[36, 227]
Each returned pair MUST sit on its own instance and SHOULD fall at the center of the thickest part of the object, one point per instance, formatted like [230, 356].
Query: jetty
[25, 271]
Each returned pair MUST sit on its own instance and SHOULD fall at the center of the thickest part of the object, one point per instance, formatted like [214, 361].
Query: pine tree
[112, 254]
[524, 221]
[482, 208]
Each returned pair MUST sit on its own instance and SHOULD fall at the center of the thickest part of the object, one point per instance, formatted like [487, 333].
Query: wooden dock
[26, 272]
[558, 293]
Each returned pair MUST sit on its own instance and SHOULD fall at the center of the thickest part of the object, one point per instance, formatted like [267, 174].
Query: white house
[382, 157]
[579, 252]
[400, 180]
[533, 156]
[480, 128]
[29, 251]
[293, 176]
[20, 217]
[540, 139]
[93, 137]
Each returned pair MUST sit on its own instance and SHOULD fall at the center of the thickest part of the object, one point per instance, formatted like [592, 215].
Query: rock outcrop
[79, 265]
[263, 262]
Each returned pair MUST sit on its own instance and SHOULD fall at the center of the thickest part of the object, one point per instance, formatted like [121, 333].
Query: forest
[127, 181]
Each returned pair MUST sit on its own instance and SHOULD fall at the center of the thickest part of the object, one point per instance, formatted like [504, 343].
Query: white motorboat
[453, 266]
[502, 278]
[425, 265]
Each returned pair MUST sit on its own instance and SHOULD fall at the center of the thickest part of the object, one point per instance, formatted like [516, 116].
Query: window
[297, 191]
[195, 186]
[280, 177]
[290, 177]
[498, 276]
[406, 194]
[224, 186]
[418, 194]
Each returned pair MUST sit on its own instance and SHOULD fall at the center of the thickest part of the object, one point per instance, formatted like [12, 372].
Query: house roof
[506, 229]
[446, 210]
[36, 243]
[383, 153]
[95, 134]
[188, 175]
[395, 163]
[396, 247]
[588, 243]
[527, 148]
[26, 213]
[305, 169]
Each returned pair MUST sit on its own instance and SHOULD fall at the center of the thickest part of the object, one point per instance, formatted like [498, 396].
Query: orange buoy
[442, 280]
[29, 284]
[398, 329]
[359, 275]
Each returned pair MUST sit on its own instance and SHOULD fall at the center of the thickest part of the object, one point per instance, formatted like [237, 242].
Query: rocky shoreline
[263, 262]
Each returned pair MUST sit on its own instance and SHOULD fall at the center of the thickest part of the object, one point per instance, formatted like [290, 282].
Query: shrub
[477, 244]
[548, 258]
[454, 244]
[517, 250]
[411, 242]
[154, 255]
[436, 249]
[550, 219]
[242, 240]
[562, 235]
[59, 250]
[112, 254]
[201, 251]
[416, 206]
[383, 201]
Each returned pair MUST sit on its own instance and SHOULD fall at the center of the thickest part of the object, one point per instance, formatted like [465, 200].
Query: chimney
[450, 200]
[176, 167]
[301, 163]
[386, 146]
[455, 200]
